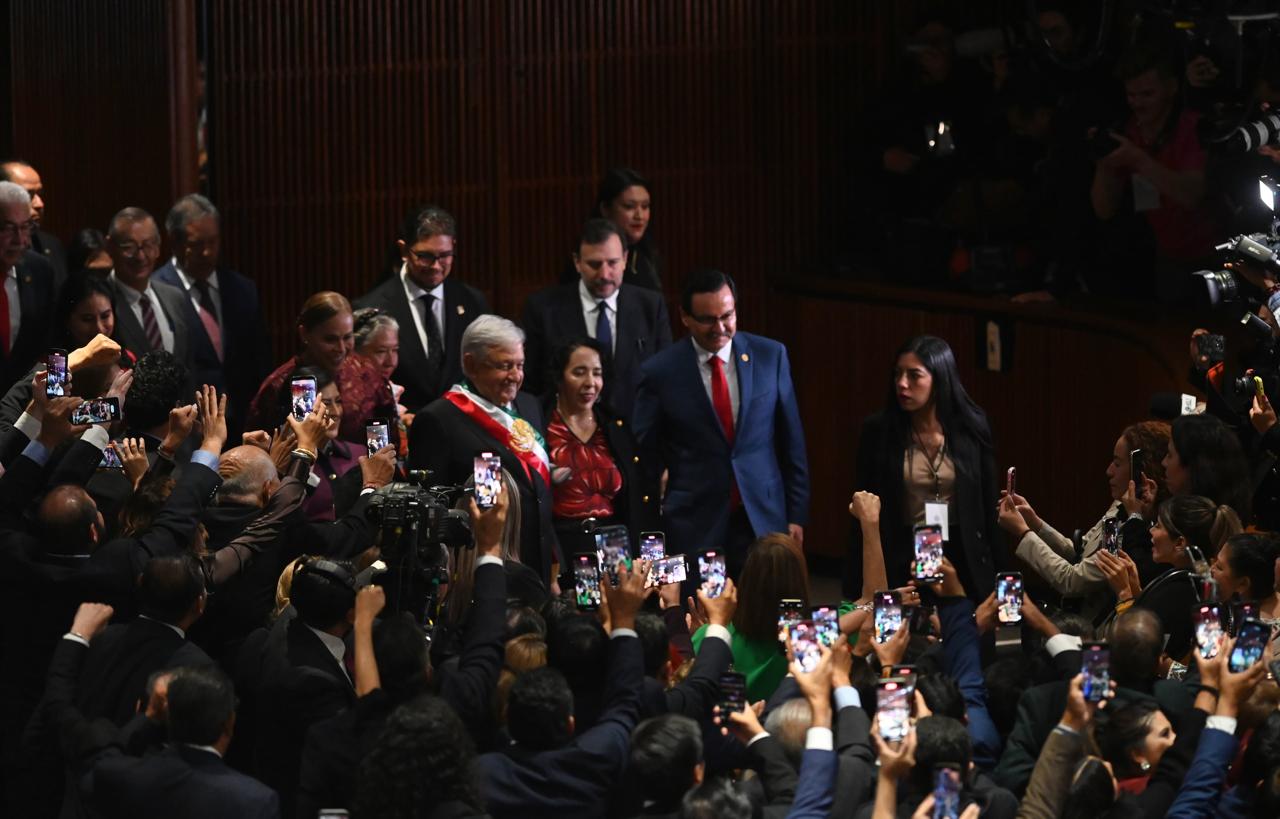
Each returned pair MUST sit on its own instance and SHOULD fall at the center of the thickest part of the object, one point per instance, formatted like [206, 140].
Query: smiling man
[629, 321]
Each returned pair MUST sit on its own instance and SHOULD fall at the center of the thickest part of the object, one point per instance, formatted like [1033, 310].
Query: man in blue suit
[719, 413]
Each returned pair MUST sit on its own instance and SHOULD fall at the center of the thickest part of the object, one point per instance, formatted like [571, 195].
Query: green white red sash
[512, 431]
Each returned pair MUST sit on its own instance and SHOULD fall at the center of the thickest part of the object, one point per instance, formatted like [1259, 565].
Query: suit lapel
[624, 331]
[411, 352]
[743, 362]
[569, 312]
[128, 331]
[692, 377]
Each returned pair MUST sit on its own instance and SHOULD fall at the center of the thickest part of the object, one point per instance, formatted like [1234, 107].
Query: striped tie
[149, 325]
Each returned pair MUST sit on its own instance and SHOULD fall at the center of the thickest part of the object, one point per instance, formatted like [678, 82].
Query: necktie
[435, 346]
[149, 324]
[604, 333]
[208, 316]
[720, 397]
[4, 316]
[205, 297]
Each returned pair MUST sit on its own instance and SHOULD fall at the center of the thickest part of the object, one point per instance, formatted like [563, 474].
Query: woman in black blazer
[931, 443]
[595, 466]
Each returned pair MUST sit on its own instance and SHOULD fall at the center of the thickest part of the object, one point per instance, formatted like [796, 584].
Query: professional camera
[1222, 287]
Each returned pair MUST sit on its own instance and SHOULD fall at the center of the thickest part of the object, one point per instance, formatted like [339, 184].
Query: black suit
[444, 440]
[50, 249]
[36, 294]
[694, 696]
[129, 332]
[462, 305]
[554, 316]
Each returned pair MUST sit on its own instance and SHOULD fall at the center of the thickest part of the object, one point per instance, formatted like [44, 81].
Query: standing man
[719, 413]
[45, 244]
[26, 288]
[231, 349]
[149, 315]
[431, 308]
[629, 321]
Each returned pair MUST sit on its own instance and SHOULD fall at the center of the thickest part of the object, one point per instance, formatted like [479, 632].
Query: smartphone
[1096, 667]
[920, 619]
[804, 645]
[667, 570]
[1009, 597]
[110, 458]
[1240, 611]
[302, 392]
[1208, 624]
[56, 367]
[928, 549]
[377, 435]
[1137, 472]
[893, 707]
[946, 792]
[712, 572]
[888, 615]
[1250, 643]
[586, 582]
[653, 545]
[1011, 480]
[613, 546]
[1212, 348]
[790, 612]
[905, 672]
[827, 621]
[733, 693]
[487, 469]
[1111, 535]
[97, 411]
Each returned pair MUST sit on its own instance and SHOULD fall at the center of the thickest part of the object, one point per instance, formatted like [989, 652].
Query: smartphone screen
[1136, 473]
[804, 645]
[1009, 597]
[586, 580]
[733, 692]
[1111, 535]
[1241, 611]
[653, 545]
[827, 620]
[946, 793]
[1250, 643]
[1096, 667]
[711, 570]
[928, 549]
[790, 612]
[110, 458]
[906, 672]
[376, 435]
[1011, 480]
[613, 546]
[920, 619]
[97, 411]
[893, 707]
[1208, 623]
[56, 366]
[668, 570]
[302, 392]
[888, 615]
[487, 469]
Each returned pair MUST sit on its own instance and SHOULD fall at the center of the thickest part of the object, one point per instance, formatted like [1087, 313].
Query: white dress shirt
[15, 307]
[414, 293]
[135, 298]
[730, 375]
[335, 646]
[189, 284]
[591, 312]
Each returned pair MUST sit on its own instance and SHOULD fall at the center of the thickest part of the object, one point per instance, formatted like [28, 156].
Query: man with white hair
[43, 243]
[487, 412]
[27, 294]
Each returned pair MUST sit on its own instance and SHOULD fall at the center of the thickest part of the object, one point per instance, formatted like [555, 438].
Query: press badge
[936, 514]
[1145, 195]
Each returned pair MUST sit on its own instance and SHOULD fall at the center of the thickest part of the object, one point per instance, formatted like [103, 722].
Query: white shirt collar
[133, 295]
[11, 273]
[208, 748]
[589, 302]
[335, 645]
[176, 630]
[189, 281]
[725, 354]
[416, 291]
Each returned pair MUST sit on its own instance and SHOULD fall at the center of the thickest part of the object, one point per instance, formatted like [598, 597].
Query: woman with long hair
[623, 198]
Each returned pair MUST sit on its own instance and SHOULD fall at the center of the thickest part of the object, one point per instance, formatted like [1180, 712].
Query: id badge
[936, 514]
[1145, 194]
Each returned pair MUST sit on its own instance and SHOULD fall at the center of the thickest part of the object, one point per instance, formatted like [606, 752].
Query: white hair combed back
[11, 193]
[490, 331]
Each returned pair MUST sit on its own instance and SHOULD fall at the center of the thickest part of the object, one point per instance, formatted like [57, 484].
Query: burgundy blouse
[594, 479]
[365, 392]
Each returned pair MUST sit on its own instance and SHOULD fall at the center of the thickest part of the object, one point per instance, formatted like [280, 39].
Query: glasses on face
[8, 228]
[711, 321]
[428, 259]
[505, 366]
[131, 250]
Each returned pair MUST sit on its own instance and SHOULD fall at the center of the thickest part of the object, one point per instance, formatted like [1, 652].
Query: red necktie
[4, 316]
[720, 397]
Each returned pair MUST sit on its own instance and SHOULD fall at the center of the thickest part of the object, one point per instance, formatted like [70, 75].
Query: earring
[1145, 766]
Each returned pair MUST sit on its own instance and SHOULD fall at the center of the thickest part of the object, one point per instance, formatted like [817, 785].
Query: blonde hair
[284, 585]
[464, 570]
[523, 653]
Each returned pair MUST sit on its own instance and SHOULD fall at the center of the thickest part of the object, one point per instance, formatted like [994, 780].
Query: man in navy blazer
[230, 347]
[718, 412]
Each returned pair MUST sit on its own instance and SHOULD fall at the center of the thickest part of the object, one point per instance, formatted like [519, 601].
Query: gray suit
[129, 332]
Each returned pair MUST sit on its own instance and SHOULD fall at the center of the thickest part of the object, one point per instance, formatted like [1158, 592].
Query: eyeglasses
[8, 228]
[709, 321]
[504, 366]
[130, 250]
[429, 259]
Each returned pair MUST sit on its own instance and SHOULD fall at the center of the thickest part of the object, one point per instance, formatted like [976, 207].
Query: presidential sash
[512, 431]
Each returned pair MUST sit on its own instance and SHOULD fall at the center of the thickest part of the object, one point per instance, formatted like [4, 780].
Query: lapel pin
[461, 310]
[746, 357]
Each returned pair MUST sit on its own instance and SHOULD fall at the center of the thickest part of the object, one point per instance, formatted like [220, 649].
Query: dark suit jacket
[129, 332]
[444, 440]
[554, 316]
[51, 250]
[462, 305]
[246, 345]
[36, 295]
[677, 428]
[694, 696]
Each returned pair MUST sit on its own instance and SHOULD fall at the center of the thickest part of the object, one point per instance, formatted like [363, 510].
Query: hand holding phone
[790, 612]
[1009, 598]
[733, 693]
[586, 578]
[887, 615]
[1251, 642]
[1096, 667]
[667, 570]
[711, 568]
[613, 545]
[927, 567]
[55, 385]
[487, 474]
[1011, 480]
[653, 546]
[376, 435]
[804, 645]
[893, 709]
[97, 411]
[1208, 625]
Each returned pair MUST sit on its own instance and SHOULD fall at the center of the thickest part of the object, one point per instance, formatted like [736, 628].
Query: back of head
[654, 641]
[142, 506]
[244, 471]
[665, 753]
[1152, 437]
[522, 619]
[1121, 731]
[323, 591]
[169, 588]
[942, 695]
[201, 702]
[67, 516]
[1200, 520]
[1253, 556]
[1136, 642]
[1261, 763]
[525, 653]
[706, 280]
[1211, 452]
[186, 210]
[775, 569]
[538, 709]
[403, 659]
[578, 647]
[159, 383]
[940, 741]
[788, 723]
[715, 799]
[1093, 792]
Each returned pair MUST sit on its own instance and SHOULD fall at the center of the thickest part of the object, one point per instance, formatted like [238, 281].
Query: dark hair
[1203, 523]
[614, 182]
[159, 383]
[942, 695]
[1152, 437]
[65, 514]
[132, 215]
[427, 221]
[1068, 622]
[84, 246]
[1143, 57]
[1005, 681]
[775, 569]
[706, 280]
[1261, 762]
[201, 700]
[522, 619]
[169, 587]
[1092, 793]
[538, 709]
[1211, 452]
[144, 504]
[597, 232]
[1137, 638]
[1121, 730]
[578, 647]
[940, 741]
[400, 648]
[5, 174]
[323, 591]
[715, 799]
[665, 750]
[1253, 556]
[320, 307]
[78, 287]
[654, 641]
[956, 411]
[422, 758]
[561, 354]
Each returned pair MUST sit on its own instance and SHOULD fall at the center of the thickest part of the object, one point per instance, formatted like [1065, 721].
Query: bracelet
[1210, 689]
[304, 453]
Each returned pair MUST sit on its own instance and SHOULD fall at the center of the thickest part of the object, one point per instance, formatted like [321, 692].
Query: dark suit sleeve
[776, 774]
[470, 686]
[175, 524]
[343, 538]
[21, 483]
[816, 789]
[535, 345]
[646, 423]
[792, 459]
[662, 332]
[960, 649]
[78, 463]
[695, 695]
[426, 445]
[14, 402]
[1025, 740]
[12, 442]
[83, 743]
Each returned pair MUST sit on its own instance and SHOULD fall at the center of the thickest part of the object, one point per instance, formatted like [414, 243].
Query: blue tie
[604, 333]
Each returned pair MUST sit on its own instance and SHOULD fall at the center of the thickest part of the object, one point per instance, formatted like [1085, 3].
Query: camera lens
[1220, 286]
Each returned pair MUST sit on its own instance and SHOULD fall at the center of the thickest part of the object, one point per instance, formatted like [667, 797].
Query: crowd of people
[413, 570]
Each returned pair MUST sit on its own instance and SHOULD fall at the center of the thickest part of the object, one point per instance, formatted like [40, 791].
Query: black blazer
[462, 305]
[47, 246]
[973, 512]
[445, 441]
[554, 316]
[36, 295]
[129, 330]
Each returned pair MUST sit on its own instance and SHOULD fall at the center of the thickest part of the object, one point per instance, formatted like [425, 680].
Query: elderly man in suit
[26, 288]
[630, 322]
[149, 315]
[432, 308]
[719, 412]
[43, 243]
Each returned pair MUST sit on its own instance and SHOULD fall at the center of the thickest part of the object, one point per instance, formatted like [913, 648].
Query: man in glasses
[150, 315]
[27, 291]
[431, 307]
[42, 242]
[718, 412]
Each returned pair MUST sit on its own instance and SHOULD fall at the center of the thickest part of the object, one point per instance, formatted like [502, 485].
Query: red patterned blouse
[594, 479]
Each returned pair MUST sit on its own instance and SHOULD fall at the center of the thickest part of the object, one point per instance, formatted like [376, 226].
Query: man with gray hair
[43, 243]
[27, 289]
[487, 413]
[149, 315]
[230, 345]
